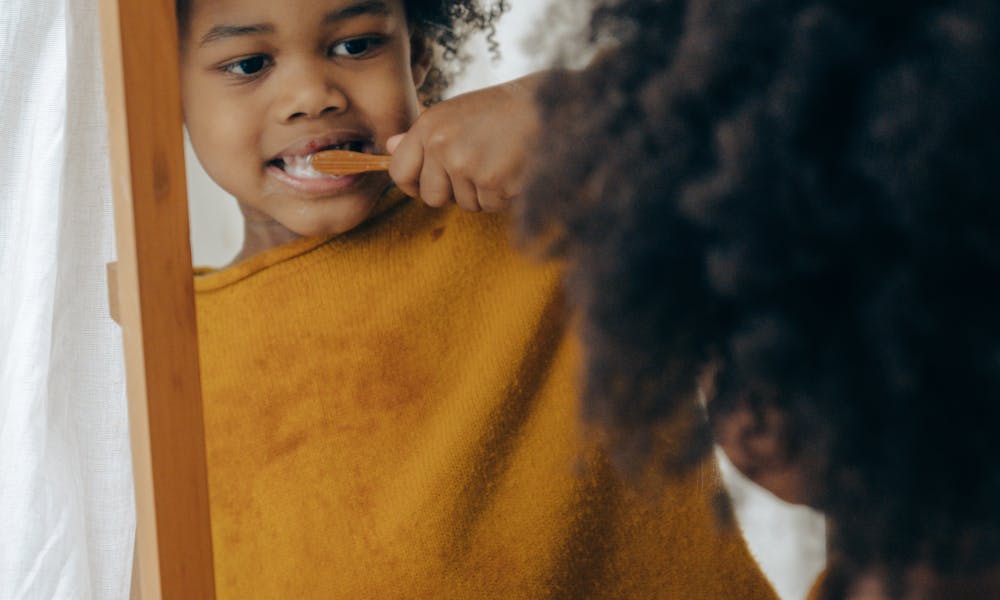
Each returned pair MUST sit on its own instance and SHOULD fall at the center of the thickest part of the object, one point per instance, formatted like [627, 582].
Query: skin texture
[472, 149]
[308, 74]
[307, 84]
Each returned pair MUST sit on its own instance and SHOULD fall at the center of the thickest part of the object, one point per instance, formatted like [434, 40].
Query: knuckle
[460, 162]
[408, 186]
[434, 196]
[438, 141]
[399, 175]
[491, 182]
[468, 201]
[492, 202]
[432, 201]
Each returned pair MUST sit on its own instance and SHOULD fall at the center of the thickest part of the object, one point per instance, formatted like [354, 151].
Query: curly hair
[446, 24]
[806, 194]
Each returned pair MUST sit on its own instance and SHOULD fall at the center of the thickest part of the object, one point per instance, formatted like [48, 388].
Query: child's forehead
[210, 13]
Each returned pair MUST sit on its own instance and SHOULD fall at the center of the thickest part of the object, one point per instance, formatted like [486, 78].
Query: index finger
[407, 161]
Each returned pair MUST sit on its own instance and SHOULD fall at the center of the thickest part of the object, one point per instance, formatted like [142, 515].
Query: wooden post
[155, 300]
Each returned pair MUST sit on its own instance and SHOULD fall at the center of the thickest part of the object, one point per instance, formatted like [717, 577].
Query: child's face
[267, 82]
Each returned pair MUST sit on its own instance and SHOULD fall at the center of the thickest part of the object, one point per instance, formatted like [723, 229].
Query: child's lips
[299, 167]
[293, 167]
[340, 141]
[322, 185]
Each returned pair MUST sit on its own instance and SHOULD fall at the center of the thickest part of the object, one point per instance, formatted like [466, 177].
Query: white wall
[216, 222]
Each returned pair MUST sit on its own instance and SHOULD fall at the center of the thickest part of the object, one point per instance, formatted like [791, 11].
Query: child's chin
[341, 217]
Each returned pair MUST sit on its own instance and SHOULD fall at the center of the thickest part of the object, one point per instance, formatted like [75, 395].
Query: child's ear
[421, 57]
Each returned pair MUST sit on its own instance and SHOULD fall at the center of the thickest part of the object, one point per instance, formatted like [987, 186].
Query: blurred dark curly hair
[805, 193]
[446, 24]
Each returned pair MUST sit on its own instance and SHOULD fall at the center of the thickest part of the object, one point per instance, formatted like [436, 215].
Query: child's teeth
[301, 167]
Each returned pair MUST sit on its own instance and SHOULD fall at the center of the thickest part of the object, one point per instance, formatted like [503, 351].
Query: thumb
[392, 143]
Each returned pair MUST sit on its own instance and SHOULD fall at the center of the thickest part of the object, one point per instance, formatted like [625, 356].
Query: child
[388, 388]
[801, 212]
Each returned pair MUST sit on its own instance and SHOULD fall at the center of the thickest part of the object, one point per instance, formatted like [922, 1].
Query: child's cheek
[392, 108]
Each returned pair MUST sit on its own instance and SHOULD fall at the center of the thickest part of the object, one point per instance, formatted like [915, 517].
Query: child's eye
[248, 66]
[355, 48]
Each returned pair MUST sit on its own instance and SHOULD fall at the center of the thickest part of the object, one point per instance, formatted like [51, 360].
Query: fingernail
[392, 143]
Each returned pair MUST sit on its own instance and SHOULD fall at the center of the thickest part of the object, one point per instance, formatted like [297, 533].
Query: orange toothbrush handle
[343, 162]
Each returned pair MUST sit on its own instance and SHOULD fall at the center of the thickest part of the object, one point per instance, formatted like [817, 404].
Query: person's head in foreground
[266, 84]
[796, 206]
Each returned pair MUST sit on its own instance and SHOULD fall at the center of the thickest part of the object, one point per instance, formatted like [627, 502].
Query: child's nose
[309, 94]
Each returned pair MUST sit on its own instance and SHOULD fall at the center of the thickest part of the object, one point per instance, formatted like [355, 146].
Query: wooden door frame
[155, 298]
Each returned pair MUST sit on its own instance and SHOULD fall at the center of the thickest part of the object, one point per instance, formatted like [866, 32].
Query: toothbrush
[344, 162]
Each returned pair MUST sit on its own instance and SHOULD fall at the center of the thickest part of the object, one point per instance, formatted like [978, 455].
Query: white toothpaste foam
[301, 167]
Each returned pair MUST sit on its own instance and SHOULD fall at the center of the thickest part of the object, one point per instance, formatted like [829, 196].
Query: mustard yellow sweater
[392, 413]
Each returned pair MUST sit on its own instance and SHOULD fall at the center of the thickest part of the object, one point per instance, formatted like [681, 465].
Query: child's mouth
[295, 169]
[301, 167]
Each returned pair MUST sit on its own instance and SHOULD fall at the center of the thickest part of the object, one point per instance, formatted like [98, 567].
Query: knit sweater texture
[392, 413]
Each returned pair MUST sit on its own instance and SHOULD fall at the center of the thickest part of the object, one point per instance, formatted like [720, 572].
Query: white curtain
[66, 505]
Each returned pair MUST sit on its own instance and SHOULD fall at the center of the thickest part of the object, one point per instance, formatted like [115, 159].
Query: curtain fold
[66, 504]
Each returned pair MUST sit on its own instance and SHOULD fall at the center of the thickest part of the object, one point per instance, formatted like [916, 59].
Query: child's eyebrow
[368, 7]
[220, 32]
